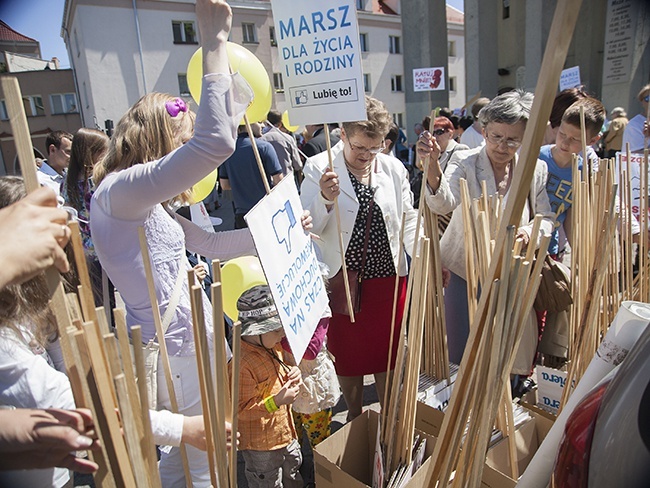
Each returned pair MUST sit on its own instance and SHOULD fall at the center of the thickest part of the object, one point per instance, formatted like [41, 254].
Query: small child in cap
[267, 388]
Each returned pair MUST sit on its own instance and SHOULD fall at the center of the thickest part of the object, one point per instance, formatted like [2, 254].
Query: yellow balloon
[246, 63]
[237, 276]
[203, 188]
[287, 123]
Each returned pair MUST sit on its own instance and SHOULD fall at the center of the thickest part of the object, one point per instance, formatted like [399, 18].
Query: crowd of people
[142, 176]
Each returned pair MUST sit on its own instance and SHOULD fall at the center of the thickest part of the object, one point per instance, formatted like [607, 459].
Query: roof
[8, 34]
[454, 15]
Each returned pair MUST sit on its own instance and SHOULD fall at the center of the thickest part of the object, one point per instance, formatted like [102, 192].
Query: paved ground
[340, 412]
[226, 221]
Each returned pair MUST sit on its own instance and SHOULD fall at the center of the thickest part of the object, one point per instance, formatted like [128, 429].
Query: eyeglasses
[498, 140]
[439, 132]
[371, 150]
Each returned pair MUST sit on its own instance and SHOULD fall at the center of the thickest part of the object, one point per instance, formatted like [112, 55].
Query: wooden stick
[130, 428]
[23, 141]
[256, 152]
[577, 367]
[471, 101]
[164, 356]
[236, 355]
[150, 454]
[510, 432]
[337, 214]
[86, 289]
[20, 128]
[442, 359]
[470, 246]
[208, 402]
[105, 458]
[223, 398]
[107, 398]
[218, 320]
[64, 324]
[106, 417]
[400, 252]
[559, 39]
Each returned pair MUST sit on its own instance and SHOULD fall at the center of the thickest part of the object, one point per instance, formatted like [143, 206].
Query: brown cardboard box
[429, 420]
[528, 438]
[345, 459]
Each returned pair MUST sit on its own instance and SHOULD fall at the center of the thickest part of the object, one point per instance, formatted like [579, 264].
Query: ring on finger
[64, 229]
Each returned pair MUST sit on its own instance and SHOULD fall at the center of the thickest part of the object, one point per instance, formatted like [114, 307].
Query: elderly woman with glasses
[366, 182]
[503, 121]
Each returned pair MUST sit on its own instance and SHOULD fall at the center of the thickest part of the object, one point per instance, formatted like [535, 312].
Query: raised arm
[224, 99]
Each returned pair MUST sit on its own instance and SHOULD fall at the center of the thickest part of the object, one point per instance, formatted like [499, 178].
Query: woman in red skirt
[373, 193]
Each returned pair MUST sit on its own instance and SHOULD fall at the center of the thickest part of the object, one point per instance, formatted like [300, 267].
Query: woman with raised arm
[159, 150]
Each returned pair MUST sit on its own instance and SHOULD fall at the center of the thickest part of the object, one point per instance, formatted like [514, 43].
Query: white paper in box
[437, 393]
[550, 385]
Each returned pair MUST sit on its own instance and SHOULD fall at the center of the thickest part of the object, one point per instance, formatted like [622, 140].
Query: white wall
[109, 65]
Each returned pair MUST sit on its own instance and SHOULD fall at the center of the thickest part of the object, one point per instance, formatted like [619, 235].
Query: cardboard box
[528, 438]
[429, 420]
[346, 458]
[497, 470]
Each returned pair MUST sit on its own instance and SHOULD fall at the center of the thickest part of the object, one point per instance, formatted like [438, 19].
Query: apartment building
[122, 49]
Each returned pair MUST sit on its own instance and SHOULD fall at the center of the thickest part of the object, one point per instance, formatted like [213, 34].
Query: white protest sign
[289, 263]
[428, 79]
[318, 44]
[570, 78]
[634, 178]
[200, 217]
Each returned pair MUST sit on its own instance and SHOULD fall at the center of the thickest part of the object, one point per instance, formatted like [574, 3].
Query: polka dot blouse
[379, 259]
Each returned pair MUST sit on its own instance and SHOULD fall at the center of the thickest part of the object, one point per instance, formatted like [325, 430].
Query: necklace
[362, 174]
[502, 186]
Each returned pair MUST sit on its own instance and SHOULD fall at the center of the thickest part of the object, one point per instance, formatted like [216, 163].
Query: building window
[3, 111]
[361, 4]
[363, 42]
[33, 105]
[396, 83]
[274, 41]
[183, 87]
[184, 32]
[452, 83]
[394, 45]
[398, 119]
[451, 49]
[367, 86]
[506, 9]
[64, 103]
[278, 83]
[249, 33]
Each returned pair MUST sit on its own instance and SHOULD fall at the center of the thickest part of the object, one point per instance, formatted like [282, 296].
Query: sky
[41, 20]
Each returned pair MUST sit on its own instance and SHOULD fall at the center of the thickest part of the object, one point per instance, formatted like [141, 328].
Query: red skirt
[361, 347]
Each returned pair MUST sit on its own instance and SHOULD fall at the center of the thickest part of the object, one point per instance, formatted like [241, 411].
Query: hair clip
[175, 106]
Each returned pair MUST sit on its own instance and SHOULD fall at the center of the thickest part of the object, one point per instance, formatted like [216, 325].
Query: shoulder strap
[173, 301]
[367, 236]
